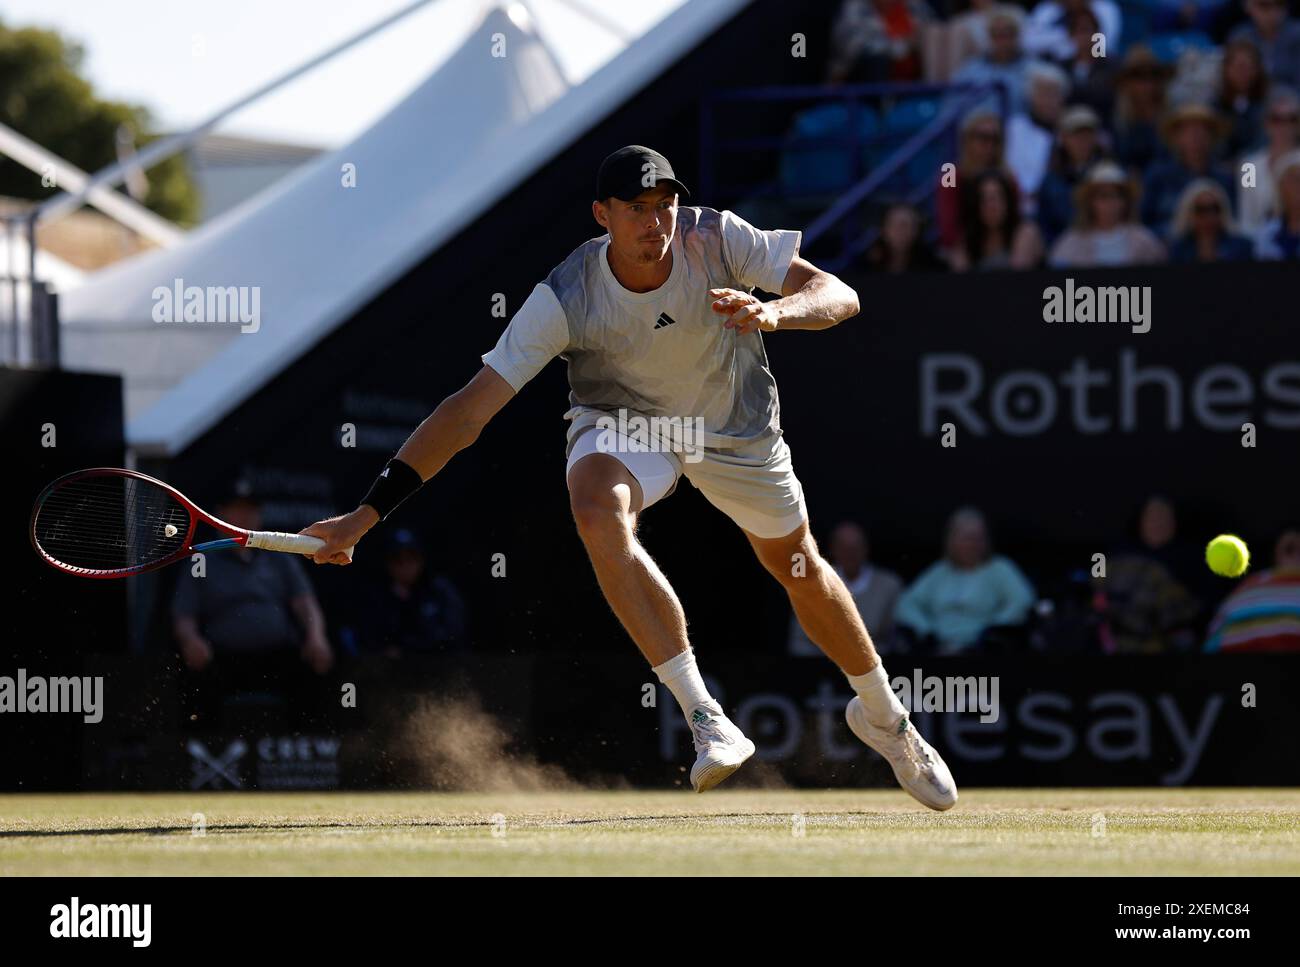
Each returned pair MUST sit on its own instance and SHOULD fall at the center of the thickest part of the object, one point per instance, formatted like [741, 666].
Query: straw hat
[1141, 60]
[1104, 174]
[1078, 117]
[1191, 112]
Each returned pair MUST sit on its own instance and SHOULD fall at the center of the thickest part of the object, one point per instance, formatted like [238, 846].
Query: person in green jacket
[971, 590]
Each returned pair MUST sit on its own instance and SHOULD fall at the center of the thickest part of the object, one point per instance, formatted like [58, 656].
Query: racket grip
[287, 543]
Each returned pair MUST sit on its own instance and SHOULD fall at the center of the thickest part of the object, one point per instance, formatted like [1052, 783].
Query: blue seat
[902, 121]
[909, 116]
[1169, 47]
[812, 168]
[924, 167]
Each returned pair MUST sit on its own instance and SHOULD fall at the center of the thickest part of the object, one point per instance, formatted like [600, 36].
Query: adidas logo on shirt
[664, 320]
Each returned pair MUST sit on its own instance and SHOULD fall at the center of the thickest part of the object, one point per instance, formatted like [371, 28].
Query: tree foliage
[44, 97]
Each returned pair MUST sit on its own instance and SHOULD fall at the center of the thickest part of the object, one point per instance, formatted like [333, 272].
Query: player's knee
[599, 497]
[598, 512]
[795, 563]
[805, 572]
[815, 571]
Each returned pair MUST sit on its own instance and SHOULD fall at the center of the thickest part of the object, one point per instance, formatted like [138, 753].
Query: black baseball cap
[241, 490]
[633, 169]
[403, 540]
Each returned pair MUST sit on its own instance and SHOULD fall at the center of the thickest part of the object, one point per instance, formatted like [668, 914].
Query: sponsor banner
[1028, 720]
[1062, 722]
[1024, 721]
[266, 762]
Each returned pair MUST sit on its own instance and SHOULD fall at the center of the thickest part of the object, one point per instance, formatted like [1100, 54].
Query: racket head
[107, 522]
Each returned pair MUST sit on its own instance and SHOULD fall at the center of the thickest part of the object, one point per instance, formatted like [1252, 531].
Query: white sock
[682, 677]
[882, 705]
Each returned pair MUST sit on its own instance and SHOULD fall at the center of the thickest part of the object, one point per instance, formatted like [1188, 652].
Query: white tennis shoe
[917, 767]
[722, 747]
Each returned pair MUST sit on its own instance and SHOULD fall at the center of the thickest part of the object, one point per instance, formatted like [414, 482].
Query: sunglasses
[1207, 208]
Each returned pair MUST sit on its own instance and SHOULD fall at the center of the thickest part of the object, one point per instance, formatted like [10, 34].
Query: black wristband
[397, 482]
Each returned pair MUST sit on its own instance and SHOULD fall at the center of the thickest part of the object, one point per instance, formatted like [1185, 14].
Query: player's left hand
[745, 313]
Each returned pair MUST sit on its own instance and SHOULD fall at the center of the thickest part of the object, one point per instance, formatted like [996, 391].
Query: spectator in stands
[1192, 131]
[878, 40]
[1258, 204]
[1186, 16]
[970, 31]
[1242, 96]
[248, 626]
[1263, 613]
[1227, 19]
[247, 603]
[901, 245]
[1030, 136]
[1005, 61]
[1203, 228]
[982, 150]
[1149, 596]
[1279, 239]
[875, 590]
[994, 235]
[1277, 36]
[1139, 105]
[1047, 32]
[1093, 78]
[1078, 148]
[409, 611]
[971, 600]
[1105, 232]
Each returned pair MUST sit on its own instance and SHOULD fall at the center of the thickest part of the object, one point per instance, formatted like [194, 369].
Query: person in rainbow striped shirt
[1263, 613]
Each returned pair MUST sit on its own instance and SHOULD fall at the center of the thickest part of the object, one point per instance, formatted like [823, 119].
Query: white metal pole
[165, 147]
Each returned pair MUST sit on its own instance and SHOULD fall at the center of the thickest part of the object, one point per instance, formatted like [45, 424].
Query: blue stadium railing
[868, 153]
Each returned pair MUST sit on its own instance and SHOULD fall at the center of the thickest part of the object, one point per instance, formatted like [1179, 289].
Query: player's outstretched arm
[456, 423]
[810, 299]
[450, 428]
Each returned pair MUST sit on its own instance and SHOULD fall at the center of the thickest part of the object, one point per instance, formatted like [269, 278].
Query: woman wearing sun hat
[1140, 92]
[1105, 232]
[1192, 131]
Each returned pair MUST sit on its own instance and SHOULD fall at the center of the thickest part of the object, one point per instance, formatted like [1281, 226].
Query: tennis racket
[110, 523]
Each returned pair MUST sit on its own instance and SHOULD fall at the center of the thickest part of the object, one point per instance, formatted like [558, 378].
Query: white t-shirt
[663, 353]
[1045, 33]
[1029, 151]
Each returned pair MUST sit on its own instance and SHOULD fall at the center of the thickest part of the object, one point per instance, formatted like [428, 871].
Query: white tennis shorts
[754, 485]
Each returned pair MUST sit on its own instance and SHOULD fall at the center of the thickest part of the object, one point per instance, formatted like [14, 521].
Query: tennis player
[669, 378]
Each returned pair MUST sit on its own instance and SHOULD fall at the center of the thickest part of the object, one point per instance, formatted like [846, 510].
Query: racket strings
[109, 522]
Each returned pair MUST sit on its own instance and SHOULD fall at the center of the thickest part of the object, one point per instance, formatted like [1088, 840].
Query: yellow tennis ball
[1227, 556]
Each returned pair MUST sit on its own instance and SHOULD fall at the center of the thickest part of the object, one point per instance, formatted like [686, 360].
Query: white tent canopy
[317, 251]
